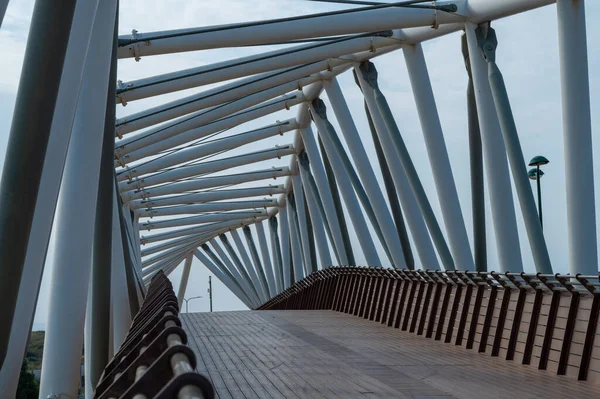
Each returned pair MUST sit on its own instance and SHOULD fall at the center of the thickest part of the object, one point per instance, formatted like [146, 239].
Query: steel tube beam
[209, 196]
[185, 275]
[412, 211]
[206, 182]
[476, 166]
[251, 65]
[120, 311]
[496, 167]
[296, 248]
[203, 168]
[577, 135]
[276, 252]
[309, 267]
[232, 271]
[193, 220]
[193, 153]
[164, 137]
[41, 225]
[236, 268]
[258, 266]
[350, 22]
[323, 189]
[284, 232]
[207, 207]
[75, 224]
[342, 172]
[438, 157]
[264, 295]
[27, 145]
[316, 212]
[365, 171]
[226, 280]
[266, 260]
[514, 151]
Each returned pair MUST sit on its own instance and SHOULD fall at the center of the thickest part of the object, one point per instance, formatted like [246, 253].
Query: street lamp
[187, 300]
[536, 174]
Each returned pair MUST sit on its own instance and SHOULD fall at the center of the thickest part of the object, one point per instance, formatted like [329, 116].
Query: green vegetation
[35, 349]
[28, 388]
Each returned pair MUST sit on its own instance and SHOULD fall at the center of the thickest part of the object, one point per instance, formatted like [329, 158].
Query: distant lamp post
[536, 174]
[187, 301]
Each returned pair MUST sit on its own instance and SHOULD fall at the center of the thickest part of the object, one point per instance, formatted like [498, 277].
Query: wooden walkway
[326, 354]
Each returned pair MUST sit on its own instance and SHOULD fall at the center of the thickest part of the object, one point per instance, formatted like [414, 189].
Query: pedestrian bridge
[281, 169]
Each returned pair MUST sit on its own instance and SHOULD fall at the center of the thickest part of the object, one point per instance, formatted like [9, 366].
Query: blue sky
[527, 56]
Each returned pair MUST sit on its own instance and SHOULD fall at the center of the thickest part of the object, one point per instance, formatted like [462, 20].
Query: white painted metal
[496, 166]
[577, 133]
[196, 152]
[476, 11]
[206, 182]
[410, 207]
[74, 227]
[245, 284]
[302, 224]
[349, 197]
[207, 167]
[185, 275]
[41, 227]
[284, 239]
[273, 31]
[318, 170]
[365, 171]
[223, 277]
[246, 66]
[247, 263]
[195, 220]
[208, 196]
[208, 207]
[295, 244]
[165, 137]
[120, 310]
[266, 260]
[317, 223]
[438, 157]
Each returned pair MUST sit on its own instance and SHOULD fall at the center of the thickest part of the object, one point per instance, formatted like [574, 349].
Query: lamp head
[538, 161]
[533, 174]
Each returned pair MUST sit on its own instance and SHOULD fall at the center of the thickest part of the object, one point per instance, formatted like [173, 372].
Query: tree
[28, 388]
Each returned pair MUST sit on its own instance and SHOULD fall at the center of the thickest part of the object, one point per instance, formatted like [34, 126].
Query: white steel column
[284, 233]
[365, 171]
[354, 211]
[301, 213]
[60, 133]
[316, 219]
[496, 166]
[244, 284]
[264, 295]
[411, 209]
[276, 254]
[185, 275]
[264, 250]
[438, 157]
[121, 315]
[577, 133]
[316, 165]
[295, 244]
[75, 223]
[223, 277]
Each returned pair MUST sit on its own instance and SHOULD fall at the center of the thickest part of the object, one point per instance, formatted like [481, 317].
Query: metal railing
[154, 361]
[545, 320]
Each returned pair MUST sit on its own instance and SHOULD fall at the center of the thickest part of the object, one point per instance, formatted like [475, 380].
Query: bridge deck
[325, 354]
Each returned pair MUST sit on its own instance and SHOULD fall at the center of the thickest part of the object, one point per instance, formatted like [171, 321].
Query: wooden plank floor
[325, 354]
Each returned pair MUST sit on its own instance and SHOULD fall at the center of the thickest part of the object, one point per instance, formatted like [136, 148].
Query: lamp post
[187, 300]
[536, 174]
